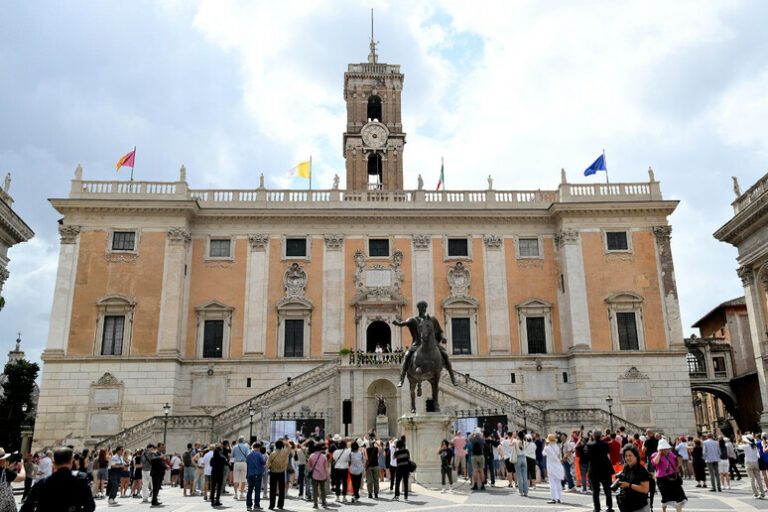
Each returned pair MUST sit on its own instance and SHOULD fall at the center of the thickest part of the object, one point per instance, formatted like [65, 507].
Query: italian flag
[441, 181]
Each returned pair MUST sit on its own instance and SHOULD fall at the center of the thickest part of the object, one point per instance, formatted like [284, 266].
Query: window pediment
[116, 299]
[294, 303]
[460, 301]
[624, 297]
[533, 303]
[214, 305]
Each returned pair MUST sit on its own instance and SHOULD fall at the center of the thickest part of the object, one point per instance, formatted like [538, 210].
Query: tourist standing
[157, 472]
[488, 468]
[540, 462]
[669, 482]
[340, 467]
[403, 458]
[146, 468]
[372, 459]
[102, 465]
[555, 470]
[176, 465]
[459, 454]
[722, 465]
[9, 475]
[356, 468]
[317, 468]
[519, 446]
[30, 470]
[752, 465]
[681, 450]
[712, 458]
[568, 459]
[63, 490]
[255, 465]
[188, 478]
[277, 463]
[600, 470]
[583, 462]
[510, 456]
[116, 466]
[446, 465]
[300, 456]
[138, 477]
[699, 464]
[392, 464]
[240, 453]
[634, 481]
[732, 467]
[530, 461]
[45, 467]
[218, 463]
[477, 460]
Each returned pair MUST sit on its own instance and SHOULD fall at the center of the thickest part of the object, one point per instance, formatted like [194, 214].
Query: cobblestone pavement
[738, 499]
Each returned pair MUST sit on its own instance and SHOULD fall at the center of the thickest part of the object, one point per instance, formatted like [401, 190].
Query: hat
[4, 455]
[551, 438]
[664, 445]
[726, 439]
[749, 438]
[337, 438]
[682, 438]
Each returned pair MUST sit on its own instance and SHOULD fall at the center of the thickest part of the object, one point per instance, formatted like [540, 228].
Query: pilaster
[257, 280]
[422, 272]
[61, 310]
[174, 271]
[496, 307]
[674, 324]
[573, 290]
[333, 294]
[752, 297]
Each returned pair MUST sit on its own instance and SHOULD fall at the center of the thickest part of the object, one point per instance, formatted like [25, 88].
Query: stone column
[172, 300]
[61, 311]
[333, 294]
[574, 312]
[752, 297]
[674, 324]
[256, 294]
[422, 273]
[496, 308]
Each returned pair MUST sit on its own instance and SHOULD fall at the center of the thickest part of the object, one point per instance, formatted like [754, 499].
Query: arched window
[374, 108]
[374, 172]
[695, 362]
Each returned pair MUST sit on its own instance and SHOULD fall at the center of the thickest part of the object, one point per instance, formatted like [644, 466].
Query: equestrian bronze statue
[425, 358]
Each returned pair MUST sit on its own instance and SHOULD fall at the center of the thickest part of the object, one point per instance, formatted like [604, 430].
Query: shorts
[126, 473]
[101, 474]
[189, 473]
[478, 462]
[240, 472]
[208, 479]
[722, 466]
[761, 464]
[510, 467]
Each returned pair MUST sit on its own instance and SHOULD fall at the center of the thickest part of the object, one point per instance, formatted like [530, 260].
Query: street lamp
[609, 402]
[166, 410]
[252, 413]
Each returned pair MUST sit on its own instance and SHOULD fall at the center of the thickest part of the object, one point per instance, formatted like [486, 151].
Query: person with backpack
[188, 478]
[634, 482]
[340, 468]
[404, 467]
[477, 460]
[517, 456]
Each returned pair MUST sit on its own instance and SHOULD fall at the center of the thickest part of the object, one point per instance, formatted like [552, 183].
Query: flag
[127, 160]
[302, 170]
[442, 177]
[597, 165]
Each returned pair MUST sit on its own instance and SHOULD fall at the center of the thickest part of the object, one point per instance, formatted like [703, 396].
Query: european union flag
[597, 165]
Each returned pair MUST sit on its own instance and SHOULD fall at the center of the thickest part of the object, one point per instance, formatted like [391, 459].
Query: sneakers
[442, 491]
[111, 501]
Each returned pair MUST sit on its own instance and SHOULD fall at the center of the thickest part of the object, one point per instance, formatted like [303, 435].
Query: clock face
[374, 135]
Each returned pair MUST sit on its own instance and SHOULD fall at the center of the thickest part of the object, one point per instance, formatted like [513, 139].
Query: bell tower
[374, 138]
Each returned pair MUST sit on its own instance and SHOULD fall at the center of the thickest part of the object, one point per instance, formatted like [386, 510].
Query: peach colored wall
[639, 275]
[407, 287]
[350, 246]
[526, 282]
[142, 280]
[209, 281]
[314, 292]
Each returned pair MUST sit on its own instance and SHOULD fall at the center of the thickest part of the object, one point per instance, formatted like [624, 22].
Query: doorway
[378, 333]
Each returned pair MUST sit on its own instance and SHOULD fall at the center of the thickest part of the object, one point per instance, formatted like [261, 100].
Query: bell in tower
[374, 138]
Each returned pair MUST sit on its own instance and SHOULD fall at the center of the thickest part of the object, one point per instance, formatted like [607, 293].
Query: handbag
[673, 477]
[513, 454]
[7, 501]
[411, 466]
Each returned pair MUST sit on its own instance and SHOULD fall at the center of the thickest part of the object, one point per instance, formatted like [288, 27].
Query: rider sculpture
[421, 327]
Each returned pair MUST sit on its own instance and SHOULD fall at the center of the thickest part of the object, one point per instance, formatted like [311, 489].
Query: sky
[514, 89]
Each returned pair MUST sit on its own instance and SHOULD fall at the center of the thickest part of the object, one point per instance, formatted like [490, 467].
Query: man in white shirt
[207, 471]
[712, 458]
[45, 467]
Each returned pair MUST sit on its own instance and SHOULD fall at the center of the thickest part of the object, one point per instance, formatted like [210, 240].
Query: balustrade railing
[376, 359]
[751, 195]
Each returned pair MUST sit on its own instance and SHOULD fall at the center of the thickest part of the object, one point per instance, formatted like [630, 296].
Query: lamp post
[166, 410]
[251, 413]
[609, 402]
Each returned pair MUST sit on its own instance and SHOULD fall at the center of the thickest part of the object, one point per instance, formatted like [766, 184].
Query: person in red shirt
[614, 452]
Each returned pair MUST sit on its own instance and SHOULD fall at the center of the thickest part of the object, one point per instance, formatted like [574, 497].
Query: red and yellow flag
[127, 160]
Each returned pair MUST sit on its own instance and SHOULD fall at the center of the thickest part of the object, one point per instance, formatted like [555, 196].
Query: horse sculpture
[425, 358]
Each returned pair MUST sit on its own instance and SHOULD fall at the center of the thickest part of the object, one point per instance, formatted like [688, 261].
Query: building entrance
[378, 333]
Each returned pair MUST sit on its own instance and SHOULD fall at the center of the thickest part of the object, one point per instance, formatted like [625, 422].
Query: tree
[17, 391]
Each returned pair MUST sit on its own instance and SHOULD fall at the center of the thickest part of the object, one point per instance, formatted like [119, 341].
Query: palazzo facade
[243, 308]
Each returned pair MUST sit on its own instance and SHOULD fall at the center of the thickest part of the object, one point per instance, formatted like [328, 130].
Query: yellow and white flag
[301, 171]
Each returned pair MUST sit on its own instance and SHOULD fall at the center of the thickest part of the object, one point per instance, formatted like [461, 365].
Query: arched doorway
[386, 390]
[378, 333]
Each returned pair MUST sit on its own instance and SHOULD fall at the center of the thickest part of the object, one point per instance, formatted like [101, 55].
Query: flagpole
[310, 172]
[134, 161]
[442, 171]
[605, 164]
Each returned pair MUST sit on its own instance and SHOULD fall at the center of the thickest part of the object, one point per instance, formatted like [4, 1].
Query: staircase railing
[148, 429]
[589, 418]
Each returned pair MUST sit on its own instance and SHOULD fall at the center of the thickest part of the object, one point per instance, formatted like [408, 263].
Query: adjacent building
[261, 310]
[13, 230]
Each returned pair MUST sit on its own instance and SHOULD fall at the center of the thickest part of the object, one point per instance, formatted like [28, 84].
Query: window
[718, 364]
[458, 247]
[512, 377]
[295, 247]
[123, 240]
[220, 248]
[461, 338]
[213, 338]
[294, 338]
[374, 108]
[695, 362]
[627, 327]
[537, 339]
[529, 247]
[616, 240]
[378, 247]
[112, 337]
[374, 172]
[565, 377]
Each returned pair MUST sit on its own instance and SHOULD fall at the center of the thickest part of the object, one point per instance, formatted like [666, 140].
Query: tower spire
[372, 57]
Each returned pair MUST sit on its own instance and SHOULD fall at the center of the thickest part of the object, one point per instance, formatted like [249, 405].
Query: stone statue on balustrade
[426, 357]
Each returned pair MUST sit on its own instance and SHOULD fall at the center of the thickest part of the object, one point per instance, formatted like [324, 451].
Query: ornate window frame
[538, 237]
[294, 308]
[111, 236]
[213, 310]
[626, 302]
[604, 236]
[106, 382]
[535, 307]
[468, 257]
[283, 245]
[232, 241]
[461, 307]
[367, 247]
[114, 304]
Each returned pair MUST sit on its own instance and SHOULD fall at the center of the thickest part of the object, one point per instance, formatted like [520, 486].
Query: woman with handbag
[356, 468]
[340, 468]
[521, 463]
[634, 482]
[668, 480]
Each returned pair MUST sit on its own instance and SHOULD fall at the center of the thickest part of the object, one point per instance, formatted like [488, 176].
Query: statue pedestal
[382, 426]
[423, 434]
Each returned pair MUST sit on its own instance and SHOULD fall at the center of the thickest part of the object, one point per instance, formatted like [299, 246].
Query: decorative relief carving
[746, 275]
[493, 241]
[634, 373]
[530, 264]
[618, 257]
[295, 281]
[567, 237]
[69, 234]
[334, 242]
[217, 264]
[459, 279]
[178, 236]
[421, 242]
[378, 282]
[107, 380]
[258, 241]
[121, 258]
[662, 233]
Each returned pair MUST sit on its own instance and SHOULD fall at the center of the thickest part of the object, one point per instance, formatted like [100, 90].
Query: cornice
[744, 223]
[11, 223]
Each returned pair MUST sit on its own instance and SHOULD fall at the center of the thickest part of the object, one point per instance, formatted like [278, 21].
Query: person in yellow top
[277, 463]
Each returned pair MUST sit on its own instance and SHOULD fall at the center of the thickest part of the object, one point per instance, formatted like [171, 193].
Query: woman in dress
[136, 486]
[669, 482]
[699, 464]
[555, 470]
[383, 458]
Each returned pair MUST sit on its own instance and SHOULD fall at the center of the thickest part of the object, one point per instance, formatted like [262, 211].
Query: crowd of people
[319, 468]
